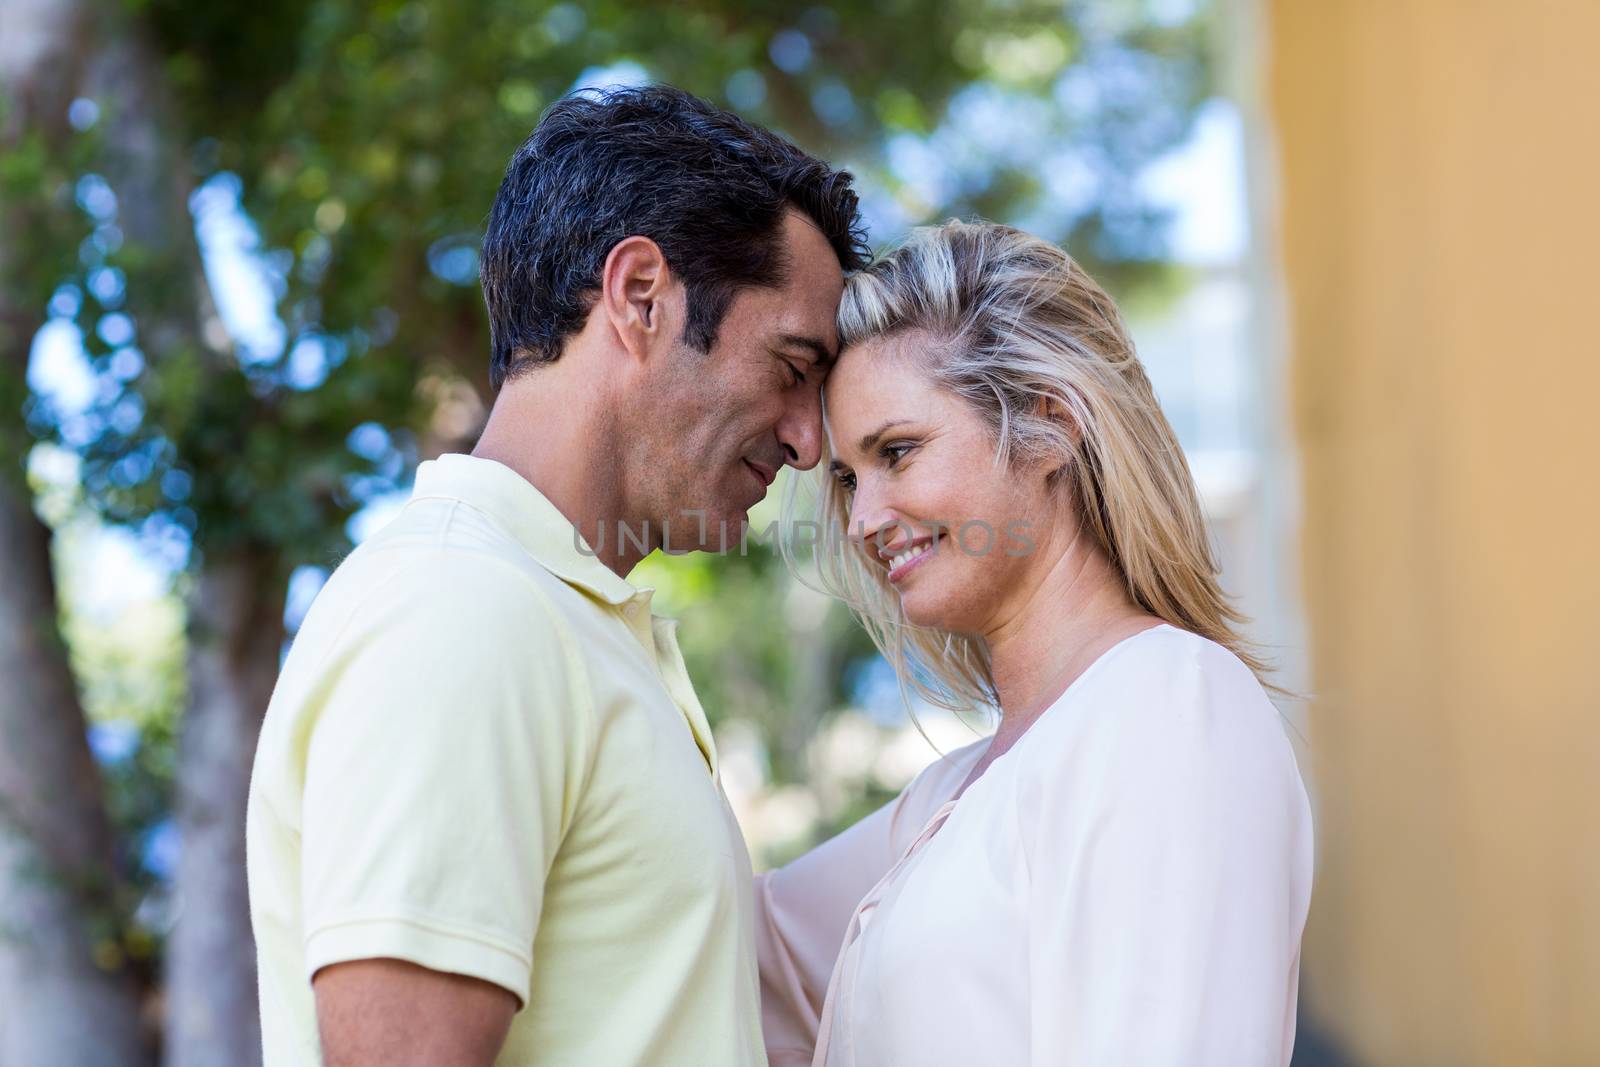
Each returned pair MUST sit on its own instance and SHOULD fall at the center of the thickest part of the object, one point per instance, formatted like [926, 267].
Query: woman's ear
[1052, 408]
[634, 284]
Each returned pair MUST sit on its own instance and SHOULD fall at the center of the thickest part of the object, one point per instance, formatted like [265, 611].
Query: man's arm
[440, 776]
[389, 1013]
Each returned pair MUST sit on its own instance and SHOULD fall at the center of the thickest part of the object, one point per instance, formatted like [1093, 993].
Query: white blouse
[1126, 886]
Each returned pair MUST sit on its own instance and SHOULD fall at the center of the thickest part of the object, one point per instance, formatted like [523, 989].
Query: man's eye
[797, 372]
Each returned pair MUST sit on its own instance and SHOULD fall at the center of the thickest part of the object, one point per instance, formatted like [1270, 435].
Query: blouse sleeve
[803, 909]
[1176, 857]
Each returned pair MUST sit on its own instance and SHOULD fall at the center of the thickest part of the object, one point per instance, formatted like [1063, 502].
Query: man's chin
[708, 530]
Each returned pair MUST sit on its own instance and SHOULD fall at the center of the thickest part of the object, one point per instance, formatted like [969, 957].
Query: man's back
[484, 757]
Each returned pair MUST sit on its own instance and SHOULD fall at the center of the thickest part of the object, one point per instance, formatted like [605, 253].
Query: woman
[1120, 875]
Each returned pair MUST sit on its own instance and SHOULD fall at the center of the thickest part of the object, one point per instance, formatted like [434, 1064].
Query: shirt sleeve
[1170, 871]
[803, 909]
[441, 773]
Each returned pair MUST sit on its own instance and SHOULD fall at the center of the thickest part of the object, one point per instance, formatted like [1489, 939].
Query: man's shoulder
[411, 602]
[403, 631]
[442, 556]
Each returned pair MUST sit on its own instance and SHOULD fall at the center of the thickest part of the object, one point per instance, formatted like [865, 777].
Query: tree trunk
[235, 634]
[64, 994]
[235, 607]
[66, 998]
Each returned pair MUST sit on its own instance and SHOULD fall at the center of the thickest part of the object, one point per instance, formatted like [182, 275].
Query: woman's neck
[1071, 614]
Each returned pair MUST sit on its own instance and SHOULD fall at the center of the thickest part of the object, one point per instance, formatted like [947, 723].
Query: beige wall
[1440, 168]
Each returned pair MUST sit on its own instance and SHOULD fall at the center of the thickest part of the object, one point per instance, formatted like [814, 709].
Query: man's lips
[762, 471]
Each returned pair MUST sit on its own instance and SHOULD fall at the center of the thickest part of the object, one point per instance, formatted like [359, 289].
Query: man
[485, 821]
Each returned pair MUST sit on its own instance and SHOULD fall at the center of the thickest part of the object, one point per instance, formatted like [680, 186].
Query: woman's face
[958, 536]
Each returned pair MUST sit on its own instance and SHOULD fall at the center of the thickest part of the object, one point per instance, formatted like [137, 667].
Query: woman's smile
[902, 562]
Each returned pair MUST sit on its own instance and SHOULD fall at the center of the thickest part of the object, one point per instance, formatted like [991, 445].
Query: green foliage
[43, 231]
[384, 148]
[366, 139]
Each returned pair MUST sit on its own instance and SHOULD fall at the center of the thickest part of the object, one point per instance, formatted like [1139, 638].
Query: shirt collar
[529, 516]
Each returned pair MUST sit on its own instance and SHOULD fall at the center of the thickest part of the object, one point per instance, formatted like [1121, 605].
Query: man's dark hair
[653, 161]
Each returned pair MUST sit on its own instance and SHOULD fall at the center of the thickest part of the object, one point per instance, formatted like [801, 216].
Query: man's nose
[800, 429]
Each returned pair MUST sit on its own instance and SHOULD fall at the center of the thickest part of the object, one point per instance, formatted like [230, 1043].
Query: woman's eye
[847, 481]
[895, 453]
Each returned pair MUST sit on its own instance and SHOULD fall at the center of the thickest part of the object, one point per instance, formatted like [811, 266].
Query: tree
[59, 959]
[190, 460]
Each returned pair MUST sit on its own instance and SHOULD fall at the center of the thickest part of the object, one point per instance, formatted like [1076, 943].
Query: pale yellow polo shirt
[484, 756]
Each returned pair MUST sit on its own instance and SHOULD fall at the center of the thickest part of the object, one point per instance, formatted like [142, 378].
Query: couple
[485, 822]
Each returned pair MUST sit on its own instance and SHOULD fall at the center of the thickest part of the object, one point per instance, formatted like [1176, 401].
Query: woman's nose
[871, 517]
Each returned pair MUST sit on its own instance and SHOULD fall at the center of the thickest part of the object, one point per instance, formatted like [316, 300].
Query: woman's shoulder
[1170, 739]
[1163, 700]
[1163, 674]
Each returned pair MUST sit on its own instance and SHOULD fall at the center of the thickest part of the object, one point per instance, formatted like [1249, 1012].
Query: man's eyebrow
[823, 355]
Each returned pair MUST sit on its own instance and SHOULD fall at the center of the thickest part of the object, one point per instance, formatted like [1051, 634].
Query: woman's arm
[804, 908]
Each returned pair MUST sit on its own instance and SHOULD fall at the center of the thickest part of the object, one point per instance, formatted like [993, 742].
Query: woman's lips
[912, 556]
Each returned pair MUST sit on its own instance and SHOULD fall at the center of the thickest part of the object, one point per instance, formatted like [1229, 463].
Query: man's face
[718, 426]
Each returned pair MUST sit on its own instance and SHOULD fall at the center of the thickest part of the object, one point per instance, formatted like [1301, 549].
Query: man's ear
[633, 288]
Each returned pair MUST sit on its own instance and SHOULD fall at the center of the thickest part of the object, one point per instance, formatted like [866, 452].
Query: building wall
[1440, 185]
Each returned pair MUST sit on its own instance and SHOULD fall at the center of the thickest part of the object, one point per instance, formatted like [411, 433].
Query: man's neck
[554, 436]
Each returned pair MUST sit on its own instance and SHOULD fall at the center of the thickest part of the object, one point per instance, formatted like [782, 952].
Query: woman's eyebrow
[872, 438]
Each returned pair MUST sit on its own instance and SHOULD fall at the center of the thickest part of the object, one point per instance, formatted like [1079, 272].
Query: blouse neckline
[1093, 666]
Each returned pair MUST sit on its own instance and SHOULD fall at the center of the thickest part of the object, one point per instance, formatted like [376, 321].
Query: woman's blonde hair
[1016, 322]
